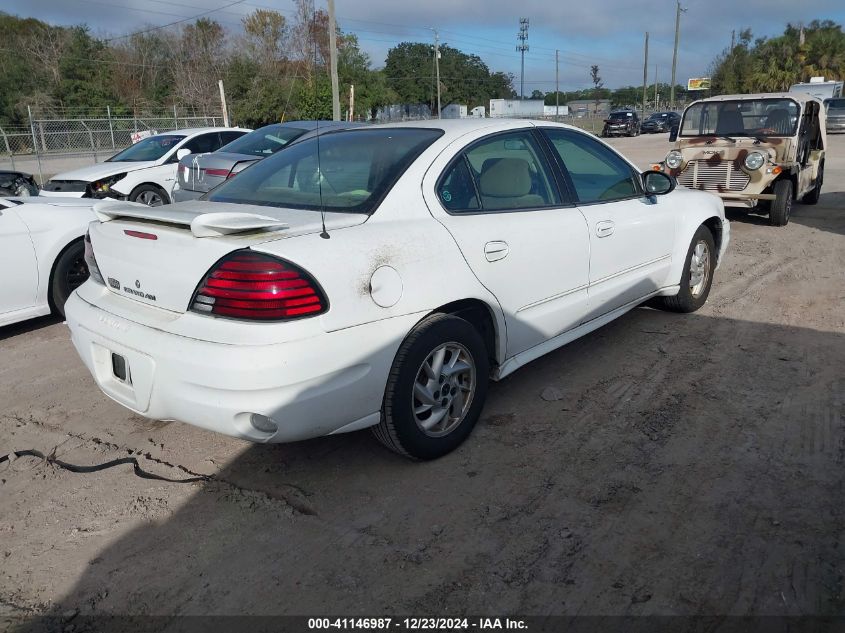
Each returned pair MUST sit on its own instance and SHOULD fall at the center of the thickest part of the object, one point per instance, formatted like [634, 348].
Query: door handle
[605, 228]
[494, 251]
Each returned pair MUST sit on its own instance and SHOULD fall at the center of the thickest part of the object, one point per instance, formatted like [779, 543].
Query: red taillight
[141, 234]
[223, 173]
[254, 286]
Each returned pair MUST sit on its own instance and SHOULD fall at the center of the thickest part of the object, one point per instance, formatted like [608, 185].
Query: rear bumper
[313, 386]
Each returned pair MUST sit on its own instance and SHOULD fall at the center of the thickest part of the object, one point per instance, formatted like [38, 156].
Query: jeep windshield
[616, 117]
[741, 117]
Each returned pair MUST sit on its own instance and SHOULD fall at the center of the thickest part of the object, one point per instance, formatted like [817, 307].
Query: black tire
[816, 191]
[69, 272]
[686, 300]
[398, 429]
[781, 206]
[142, 193]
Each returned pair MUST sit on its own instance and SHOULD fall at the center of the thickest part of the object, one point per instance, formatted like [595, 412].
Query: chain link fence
[49, 145]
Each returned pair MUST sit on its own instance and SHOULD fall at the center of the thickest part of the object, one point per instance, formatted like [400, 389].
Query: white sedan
[144, 172]
[41, 254]
[380, 277]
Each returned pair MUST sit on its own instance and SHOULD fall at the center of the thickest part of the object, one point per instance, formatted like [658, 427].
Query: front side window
[741, 117]
[597, 173]
[150, 148]
[507, 172]
[347, 171]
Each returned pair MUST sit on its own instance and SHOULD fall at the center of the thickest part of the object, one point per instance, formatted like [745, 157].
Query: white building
[516, 107]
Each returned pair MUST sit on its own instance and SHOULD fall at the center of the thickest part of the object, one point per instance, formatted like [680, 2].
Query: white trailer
[819, 88]
[516, 107]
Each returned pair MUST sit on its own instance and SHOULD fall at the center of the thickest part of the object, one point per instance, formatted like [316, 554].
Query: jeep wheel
[782, 204]
[813, 196]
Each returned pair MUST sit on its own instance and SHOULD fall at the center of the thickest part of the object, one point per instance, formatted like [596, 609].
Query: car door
[526, 244]
[18, 264]
[631, 234]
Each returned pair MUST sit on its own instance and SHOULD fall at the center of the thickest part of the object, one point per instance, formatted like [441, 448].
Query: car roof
[191, 131]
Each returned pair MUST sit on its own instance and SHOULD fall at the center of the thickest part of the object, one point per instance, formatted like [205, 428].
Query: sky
[608, 33]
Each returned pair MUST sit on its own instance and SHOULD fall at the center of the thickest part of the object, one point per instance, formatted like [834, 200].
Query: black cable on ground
[140, 472]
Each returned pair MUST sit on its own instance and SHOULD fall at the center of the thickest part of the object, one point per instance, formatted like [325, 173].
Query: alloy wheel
[444, 389]
[699, 268]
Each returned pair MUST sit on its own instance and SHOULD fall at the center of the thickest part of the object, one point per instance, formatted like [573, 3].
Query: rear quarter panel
[52, 229]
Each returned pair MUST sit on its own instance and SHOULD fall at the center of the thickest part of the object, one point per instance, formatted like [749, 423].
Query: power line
[164, 26]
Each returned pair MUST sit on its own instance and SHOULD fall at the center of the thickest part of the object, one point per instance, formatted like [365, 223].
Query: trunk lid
[158, 255]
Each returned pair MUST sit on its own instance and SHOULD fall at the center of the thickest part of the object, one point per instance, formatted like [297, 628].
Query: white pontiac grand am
[380, 277]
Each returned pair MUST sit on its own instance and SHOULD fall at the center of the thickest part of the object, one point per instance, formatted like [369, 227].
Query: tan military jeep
[760, 151]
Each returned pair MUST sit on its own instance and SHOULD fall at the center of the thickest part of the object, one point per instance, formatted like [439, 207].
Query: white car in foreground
[144, 172]
[447, 253]
[41, 254]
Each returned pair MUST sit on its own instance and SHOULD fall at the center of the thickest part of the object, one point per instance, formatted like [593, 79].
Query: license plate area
[120, 368]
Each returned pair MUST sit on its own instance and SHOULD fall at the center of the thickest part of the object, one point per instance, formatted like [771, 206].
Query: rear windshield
[835, 104]
[150, 148]
[742, 117]
[265, 141]
[353, 171]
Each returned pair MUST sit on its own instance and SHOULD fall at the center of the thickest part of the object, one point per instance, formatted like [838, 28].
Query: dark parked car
[200, 173]
[621, 123]
[660, 122]
[17, 183]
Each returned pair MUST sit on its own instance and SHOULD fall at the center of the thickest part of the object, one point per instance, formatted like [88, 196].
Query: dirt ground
[692, 465]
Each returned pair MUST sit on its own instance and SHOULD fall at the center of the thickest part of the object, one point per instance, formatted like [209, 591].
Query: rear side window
[203, 143]
[504, 173]
[597, 173]
[457, 190]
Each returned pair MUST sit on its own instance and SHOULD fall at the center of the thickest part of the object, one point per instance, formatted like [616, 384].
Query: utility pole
[223, 103]
[645, 74]
[733, 39]
[675, 54]
[437, 68]
[333, 63]
[522, 36]
[557, 84]
[351, 102]
[656, 96]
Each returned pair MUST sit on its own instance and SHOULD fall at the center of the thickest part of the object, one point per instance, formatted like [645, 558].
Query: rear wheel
[781, 206]
[816, 191]
[436, 388]
[69, 272]
[150, 195]
[698, 274]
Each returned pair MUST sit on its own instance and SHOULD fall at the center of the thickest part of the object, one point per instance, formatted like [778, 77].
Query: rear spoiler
[201, 224]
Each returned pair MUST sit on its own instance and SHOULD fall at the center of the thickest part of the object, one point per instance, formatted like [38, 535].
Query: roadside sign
[698, 83]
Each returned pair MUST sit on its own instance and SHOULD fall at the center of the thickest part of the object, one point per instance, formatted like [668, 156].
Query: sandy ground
[693, 465]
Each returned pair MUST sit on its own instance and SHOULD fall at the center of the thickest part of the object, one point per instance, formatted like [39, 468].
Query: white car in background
[41, 254]
[144, 172]
[379, 277]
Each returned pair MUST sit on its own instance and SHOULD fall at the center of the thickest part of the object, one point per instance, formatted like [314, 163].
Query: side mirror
[182, 152]
[658, 183]
[673, 133]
